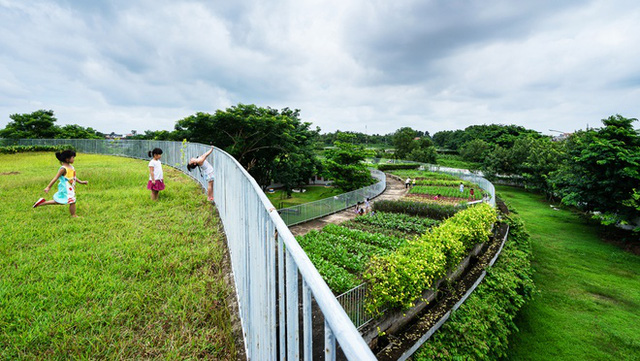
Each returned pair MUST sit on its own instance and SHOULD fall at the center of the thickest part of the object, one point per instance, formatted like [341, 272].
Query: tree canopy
[602, 170]
[344, 164]
[413, 145]
[269, 143]
[41, 125]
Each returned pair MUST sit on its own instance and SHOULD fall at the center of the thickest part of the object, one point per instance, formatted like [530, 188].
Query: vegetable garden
[403, 246]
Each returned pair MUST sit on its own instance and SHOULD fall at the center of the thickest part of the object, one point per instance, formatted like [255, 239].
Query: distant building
[113, 136]
[561, 137]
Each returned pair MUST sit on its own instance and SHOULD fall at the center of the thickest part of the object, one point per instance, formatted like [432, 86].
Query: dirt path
[395, 189]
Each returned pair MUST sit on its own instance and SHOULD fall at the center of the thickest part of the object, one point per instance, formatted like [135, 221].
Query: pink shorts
[157, 186]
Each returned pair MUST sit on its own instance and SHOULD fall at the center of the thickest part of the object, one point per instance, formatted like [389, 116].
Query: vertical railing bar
[329, 343]
[281, 299]
[293, 334]
[307, 322]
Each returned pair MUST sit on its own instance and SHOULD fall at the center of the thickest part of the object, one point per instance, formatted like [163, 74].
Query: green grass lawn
[313, 193]
[129, 279]
[588, 307]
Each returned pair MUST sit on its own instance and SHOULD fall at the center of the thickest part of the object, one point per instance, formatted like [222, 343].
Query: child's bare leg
[72, 209]
[210, 191]
[154, 195]
[48, 203]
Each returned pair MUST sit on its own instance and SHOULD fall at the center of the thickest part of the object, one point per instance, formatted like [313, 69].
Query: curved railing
[266, 259]
[463, 174]
[353, 300]
[320, 208]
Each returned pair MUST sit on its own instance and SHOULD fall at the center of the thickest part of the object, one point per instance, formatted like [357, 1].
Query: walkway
[395, 189]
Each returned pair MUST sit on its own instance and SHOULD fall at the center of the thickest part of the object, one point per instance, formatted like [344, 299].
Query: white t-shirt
[157, 169]
[206, 168]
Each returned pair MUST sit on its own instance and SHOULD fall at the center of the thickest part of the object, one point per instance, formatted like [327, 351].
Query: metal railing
[267, 261]
[353, 300]
[312, 210]
[463, 174]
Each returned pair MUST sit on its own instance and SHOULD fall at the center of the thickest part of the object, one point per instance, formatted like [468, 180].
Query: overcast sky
[361, 65]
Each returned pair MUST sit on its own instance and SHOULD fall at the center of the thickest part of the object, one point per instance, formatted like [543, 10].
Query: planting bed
[341, 252]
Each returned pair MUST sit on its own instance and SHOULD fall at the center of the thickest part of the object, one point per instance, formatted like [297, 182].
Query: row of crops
[434, 187]
[405, 244]
[341, 253]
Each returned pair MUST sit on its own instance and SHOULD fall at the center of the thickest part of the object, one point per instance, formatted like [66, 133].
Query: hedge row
[385, 167]
[430, 210]
[480, 328]
[398, 279]
[13, 149]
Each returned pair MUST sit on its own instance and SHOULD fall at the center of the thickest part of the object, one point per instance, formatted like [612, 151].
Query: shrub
[399, 221]
[430, 210]
[486, 317]
[13, 149]
[398, 279]
[395, 166]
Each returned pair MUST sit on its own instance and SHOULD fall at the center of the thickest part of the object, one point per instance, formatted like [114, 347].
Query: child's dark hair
[65, 155]
[155, 151]
[191, 166]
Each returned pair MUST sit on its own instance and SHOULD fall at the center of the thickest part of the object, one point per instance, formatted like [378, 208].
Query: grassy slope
[129, 279]
[312, 194]
[589, 300]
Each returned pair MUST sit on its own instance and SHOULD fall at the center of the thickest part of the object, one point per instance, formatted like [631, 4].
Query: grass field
[313, 193]
[129, 279]
[588, 307]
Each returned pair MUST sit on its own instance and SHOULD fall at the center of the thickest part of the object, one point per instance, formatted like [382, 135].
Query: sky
[359, 65]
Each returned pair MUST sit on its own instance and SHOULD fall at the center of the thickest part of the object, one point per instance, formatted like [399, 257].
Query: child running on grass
[156, 177]
[67, 187]
[205, 168]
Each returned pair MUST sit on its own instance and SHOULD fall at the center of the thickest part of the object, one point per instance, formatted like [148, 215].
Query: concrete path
[395, 190]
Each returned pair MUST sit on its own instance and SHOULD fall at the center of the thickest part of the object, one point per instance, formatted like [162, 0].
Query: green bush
[398, 221]
[480, 328]
[398, 279]
[13, 149]
[430, 210]
[424, 174]
[395, 166]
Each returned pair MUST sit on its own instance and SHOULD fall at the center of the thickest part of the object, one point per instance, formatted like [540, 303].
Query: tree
[261, 139]
[602, 170]
[74, 131]
[344, 164]
[403, 142]
[544, 157]
[409, 145]
[37, 125]
[475, 150]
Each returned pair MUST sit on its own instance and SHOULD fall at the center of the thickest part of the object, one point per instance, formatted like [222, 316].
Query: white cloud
[355, 65]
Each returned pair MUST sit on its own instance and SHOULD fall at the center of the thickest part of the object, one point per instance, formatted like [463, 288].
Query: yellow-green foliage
[399, 279]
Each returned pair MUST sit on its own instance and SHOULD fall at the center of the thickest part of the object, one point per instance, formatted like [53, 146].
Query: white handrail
[265, 256]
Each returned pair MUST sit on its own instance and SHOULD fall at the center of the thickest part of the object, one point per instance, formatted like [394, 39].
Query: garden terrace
[341, 253]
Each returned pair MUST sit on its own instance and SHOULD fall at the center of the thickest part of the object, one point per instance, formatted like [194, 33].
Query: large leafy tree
[41, 125]
[602, 171]
[74, 131]
[344, 164]
[475, 150]
[265, 141]
[37, 125]
[493, 134]
[543, 158]
[414, 145]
